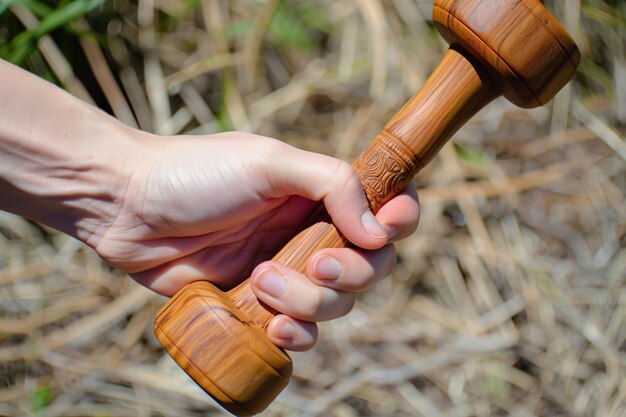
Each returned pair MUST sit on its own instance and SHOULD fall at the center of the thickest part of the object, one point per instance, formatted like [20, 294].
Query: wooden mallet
[514, 48]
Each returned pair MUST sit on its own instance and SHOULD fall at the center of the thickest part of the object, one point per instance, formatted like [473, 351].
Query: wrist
[99, 188]
[63, 163]
[73, 180]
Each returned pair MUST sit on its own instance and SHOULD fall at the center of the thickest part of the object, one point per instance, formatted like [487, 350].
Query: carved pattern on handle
[386, 168]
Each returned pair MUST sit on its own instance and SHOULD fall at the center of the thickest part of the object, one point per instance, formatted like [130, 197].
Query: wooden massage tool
[514, 48]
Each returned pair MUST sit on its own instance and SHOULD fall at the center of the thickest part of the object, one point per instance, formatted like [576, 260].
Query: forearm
[62, 162]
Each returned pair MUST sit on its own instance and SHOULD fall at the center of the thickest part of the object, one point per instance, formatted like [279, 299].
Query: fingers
[335, 276]
[400, 216]
[329, 290]
[293, 294]
[292, 334]
[289, 171]
[349, 269]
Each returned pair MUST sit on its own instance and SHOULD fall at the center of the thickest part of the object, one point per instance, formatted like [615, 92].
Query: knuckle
[344, 173]
[348, 304]
[314, 307]
[273, 151]
[379, 269]
[366, 280]
[278, 147]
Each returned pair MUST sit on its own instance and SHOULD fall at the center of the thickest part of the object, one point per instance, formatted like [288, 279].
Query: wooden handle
[453, 94]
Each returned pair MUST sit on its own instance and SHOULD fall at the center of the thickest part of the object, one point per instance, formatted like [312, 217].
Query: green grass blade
[24, 43]
[38, 8]
[65, 15]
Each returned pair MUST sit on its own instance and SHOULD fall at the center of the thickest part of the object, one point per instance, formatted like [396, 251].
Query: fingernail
[271, 283]
[327, 267]
[371, 225]
[285, 330]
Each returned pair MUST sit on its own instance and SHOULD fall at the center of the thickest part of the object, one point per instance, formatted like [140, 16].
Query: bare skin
[172, 210]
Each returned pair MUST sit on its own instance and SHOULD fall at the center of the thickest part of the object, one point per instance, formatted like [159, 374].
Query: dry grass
[509, 300]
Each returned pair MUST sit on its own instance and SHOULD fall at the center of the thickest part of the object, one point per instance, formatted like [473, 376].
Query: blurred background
[509, 300]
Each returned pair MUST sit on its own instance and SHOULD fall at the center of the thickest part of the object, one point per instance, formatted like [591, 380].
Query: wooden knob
[524, 48]
[514, 48]
[216, 343]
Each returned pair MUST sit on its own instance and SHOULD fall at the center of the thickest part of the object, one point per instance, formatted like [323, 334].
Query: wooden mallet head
[514, 48]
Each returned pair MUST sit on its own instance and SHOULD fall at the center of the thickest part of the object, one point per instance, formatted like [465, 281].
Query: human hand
[212, 208]
[174, 210]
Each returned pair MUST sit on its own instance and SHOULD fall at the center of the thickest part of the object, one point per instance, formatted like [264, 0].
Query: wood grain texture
[210, 338]
[510, 47]
[525, 49]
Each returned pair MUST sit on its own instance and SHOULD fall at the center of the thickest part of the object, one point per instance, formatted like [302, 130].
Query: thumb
[291, 171]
